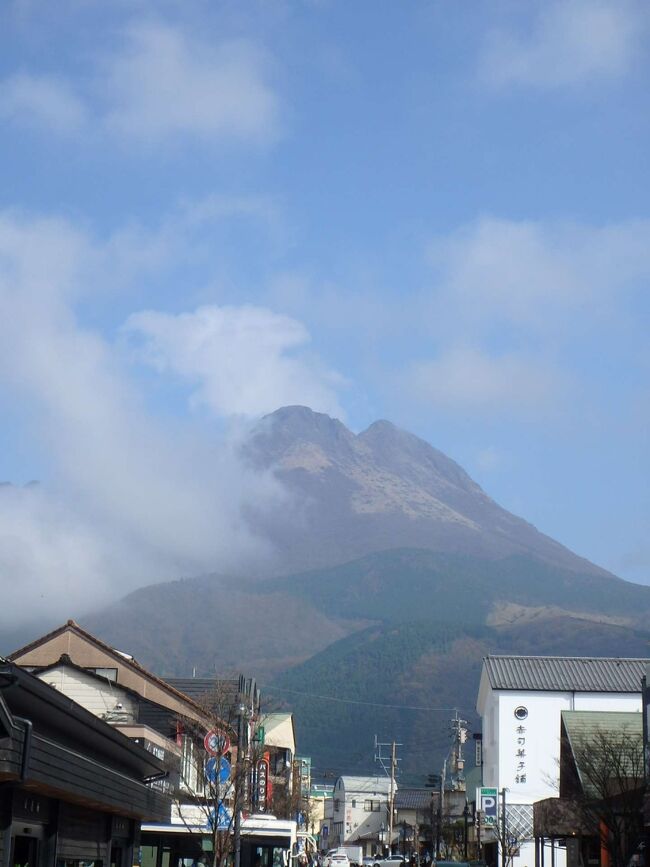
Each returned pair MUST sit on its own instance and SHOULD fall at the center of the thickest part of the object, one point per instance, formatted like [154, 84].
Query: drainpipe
[27, 747]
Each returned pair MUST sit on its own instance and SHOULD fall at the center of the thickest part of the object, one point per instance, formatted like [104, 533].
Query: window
[108, 673]
[337, 803]
[192, 777]
[371, 806]
[354, 804]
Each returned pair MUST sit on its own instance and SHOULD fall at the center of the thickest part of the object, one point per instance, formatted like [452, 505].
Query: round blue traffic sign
[217, 770]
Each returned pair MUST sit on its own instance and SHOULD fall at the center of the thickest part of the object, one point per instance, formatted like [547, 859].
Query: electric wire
[358, 701]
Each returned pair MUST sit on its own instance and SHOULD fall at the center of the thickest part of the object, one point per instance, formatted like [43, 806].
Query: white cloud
[570, 42]
[512, 302]
[160, 84]
[467, 379]
[164, 84]
[48, 555]
[536, 276]
[128, 499]
[241, 360]
[42, 101]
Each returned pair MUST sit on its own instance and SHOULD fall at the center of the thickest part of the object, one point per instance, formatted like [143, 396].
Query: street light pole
[238, 785]
[504, 841]
[465, 817]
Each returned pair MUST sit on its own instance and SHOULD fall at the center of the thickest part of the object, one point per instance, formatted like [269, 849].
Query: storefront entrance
[24, 851]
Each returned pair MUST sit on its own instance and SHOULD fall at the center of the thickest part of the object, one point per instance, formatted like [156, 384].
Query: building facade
[520, 702]
[170, 719]
[359, 810]
[73, 790]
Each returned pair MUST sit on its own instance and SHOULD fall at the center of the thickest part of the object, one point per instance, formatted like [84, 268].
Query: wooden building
[73, 790]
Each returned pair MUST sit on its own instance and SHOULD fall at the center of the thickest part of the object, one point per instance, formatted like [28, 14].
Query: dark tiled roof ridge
[565, 673]
[644, 659]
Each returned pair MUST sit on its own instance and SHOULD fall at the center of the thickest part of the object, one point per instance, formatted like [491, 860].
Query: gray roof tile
[565, 673]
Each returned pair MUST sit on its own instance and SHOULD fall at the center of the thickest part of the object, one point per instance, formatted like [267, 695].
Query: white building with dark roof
[360, 806]
[520, 701]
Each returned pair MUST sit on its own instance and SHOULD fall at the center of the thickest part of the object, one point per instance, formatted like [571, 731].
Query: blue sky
[432, 212]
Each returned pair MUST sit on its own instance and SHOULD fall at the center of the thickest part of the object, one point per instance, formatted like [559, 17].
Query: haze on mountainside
[380, 526]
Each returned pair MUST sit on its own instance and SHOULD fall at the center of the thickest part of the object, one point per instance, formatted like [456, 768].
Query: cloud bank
[511, 301]
[160, 84]
[131, 497]
[240, 359]
[570, 42]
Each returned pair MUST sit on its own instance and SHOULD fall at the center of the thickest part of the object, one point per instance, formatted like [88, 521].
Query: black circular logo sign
[521, 712]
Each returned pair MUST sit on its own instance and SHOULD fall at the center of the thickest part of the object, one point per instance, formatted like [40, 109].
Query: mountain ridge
[381, 489]
[394, 572]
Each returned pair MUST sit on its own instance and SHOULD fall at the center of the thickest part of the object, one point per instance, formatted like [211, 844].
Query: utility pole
[441, 808]
[391, 800]
[390, 768]
[459, 730]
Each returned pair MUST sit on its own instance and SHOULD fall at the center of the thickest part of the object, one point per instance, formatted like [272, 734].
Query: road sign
[221, 816]
[486, 802]
[216, 742]
[217, 770]
[262, 785]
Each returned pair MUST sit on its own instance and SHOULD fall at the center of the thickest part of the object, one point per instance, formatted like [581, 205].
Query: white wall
[541, 735]
[352, 813]
[97, 696]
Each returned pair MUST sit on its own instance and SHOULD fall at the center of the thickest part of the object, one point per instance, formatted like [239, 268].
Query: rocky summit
[380, 489]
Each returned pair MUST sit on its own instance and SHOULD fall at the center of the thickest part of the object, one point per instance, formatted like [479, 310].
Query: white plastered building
[520, 701]
[360, 805]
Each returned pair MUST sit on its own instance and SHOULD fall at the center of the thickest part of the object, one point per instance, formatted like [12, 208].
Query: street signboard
[486, 802]
[221, 816]
[217, 770]
[261, 785]
[216, 742]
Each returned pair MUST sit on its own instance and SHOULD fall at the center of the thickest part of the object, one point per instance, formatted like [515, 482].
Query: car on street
[390, 861]
[338, 859]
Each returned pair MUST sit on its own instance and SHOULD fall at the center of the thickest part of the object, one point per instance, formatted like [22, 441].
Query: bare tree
[503, 833]
[218, 754]
[609, 784]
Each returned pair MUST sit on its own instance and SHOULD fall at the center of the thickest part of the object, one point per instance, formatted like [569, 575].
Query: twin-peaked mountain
[383, 488]
[393, 573]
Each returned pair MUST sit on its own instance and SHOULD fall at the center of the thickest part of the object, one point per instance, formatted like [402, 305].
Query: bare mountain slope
[381, 489]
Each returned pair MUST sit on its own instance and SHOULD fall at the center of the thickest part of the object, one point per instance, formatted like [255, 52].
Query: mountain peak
[301, 419]
[383, 488]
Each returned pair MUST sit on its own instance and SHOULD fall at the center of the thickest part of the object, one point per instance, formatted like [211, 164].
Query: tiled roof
[365, 784]
[613, 741]
[565, 673]
[414, 799]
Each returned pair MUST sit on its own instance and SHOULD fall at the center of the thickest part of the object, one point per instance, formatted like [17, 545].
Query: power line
[356, 701]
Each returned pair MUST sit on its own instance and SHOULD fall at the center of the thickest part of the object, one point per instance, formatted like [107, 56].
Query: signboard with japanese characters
[520, 714]
[262, 785]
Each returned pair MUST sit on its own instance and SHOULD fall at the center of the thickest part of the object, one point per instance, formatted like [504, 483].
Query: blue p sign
[488, 806]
